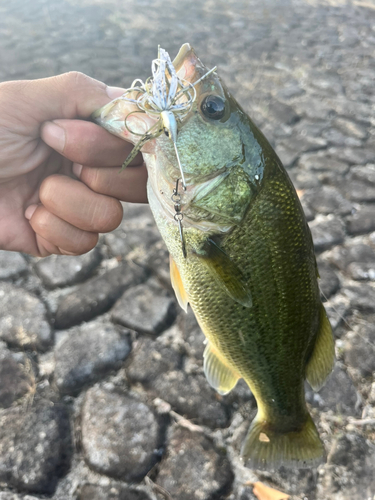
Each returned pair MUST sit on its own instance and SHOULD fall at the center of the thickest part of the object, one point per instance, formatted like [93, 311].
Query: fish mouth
[188, 65]
[180, 58]
[124, 119]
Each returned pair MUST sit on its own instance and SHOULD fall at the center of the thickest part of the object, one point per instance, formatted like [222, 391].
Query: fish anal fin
[322, 359]
[225, 272]
[266, 447]
[177, 285]
[219, 375]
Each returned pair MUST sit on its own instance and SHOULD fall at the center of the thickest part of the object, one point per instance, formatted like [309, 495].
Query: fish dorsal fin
[219, 375]
[225, 272]
[322, 359]
[177, 285]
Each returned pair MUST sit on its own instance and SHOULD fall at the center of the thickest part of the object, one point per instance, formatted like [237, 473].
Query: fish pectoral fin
[322, 359]
[219, 375]
[225, 272]
[177, 285]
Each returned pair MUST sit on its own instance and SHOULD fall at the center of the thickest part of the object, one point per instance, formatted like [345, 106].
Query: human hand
[59, 175]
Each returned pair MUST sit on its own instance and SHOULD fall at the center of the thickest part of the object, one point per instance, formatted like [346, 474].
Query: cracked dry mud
[93, 396]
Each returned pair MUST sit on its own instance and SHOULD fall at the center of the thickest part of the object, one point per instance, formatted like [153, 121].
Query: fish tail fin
[267, 448]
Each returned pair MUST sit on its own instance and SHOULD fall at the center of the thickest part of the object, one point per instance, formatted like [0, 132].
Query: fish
[241, 252]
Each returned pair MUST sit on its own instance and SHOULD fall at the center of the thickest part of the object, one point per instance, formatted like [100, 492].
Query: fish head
[202, 135]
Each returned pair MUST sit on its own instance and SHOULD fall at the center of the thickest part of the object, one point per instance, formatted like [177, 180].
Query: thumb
[70, 95]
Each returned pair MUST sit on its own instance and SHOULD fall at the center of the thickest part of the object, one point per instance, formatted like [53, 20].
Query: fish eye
[213, 107]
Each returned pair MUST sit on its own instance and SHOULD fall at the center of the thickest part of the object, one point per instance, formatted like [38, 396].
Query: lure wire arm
[183, 182]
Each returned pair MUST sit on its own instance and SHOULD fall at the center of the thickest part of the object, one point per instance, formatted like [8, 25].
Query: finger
[55, 235]
[127, 185]
[87, 143]
[69, 95]
[46, 248]
[77, 204]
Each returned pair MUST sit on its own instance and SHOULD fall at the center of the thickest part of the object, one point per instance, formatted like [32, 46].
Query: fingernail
[113, 92]
[54, 136]
[29, 211]
[77, 169]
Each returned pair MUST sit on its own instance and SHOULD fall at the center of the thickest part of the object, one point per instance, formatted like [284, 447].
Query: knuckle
[76, 81]
[75, 78]
[41, 221]
[48, 188]
[92, 177]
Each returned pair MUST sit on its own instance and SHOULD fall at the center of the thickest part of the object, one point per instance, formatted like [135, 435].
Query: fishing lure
[169, 97]
[164, 94]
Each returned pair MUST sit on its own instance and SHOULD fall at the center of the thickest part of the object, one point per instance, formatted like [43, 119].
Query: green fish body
[242, 257]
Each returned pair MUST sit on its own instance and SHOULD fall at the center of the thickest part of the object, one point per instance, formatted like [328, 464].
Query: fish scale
[267, 279]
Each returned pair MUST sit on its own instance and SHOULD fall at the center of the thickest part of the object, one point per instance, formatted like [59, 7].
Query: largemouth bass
[241, 250]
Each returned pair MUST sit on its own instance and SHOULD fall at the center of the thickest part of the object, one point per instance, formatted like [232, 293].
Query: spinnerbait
[167, 96]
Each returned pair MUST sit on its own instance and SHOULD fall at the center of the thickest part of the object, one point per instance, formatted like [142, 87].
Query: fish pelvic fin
[219, 375]
[177, 285]
[322, 360]
[266, 448]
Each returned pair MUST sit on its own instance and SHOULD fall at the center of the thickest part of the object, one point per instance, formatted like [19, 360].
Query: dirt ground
[102, 394]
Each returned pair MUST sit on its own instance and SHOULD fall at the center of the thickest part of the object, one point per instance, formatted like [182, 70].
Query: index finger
[88, 144]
